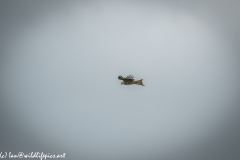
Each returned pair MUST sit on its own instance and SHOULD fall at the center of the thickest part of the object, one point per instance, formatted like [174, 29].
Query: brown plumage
[129, 80]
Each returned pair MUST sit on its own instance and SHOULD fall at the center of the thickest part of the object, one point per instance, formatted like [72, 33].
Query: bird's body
[129, 80]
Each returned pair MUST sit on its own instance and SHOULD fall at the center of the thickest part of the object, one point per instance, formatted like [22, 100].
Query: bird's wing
[129, 78]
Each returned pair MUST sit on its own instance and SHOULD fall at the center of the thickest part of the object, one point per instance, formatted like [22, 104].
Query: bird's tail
[138, 82]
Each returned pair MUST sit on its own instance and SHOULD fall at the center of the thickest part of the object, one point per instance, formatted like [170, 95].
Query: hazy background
[59, 91]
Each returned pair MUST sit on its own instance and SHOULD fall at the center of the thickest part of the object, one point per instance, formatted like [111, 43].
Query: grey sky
[60, 93]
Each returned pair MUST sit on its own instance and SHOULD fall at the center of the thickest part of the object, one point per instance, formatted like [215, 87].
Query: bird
[129, 80]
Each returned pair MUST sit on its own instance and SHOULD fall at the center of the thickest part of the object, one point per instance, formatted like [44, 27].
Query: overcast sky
[60, 93]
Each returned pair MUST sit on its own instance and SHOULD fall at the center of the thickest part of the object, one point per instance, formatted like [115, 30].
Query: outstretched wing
[128, 79]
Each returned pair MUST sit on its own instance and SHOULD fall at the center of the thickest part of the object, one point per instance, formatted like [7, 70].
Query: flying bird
[129, 80]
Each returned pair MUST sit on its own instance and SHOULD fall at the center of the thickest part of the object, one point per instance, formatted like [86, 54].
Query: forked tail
[138, 82]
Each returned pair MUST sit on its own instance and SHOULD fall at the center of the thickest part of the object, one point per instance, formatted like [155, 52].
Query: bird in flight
[129, 80]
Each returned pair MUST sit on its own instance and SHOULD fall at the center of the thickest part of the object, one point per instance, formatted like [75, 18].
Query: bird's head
[120, 77]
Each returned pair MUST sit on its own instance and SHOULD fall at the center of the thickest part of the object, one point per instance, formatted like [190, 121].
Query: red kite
[129, 80]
